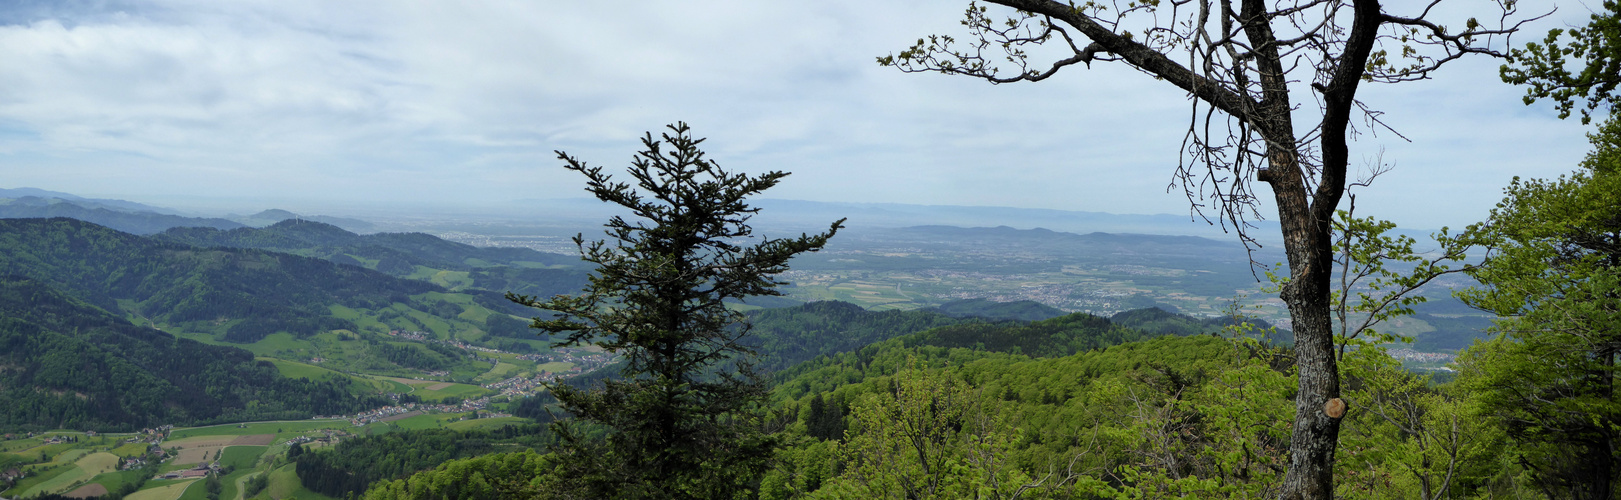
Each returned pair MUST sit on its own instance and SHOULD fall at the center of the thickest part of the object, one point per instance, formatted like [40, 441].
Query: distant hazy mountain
[128, 217]
[393, 253]
[495, 269]
[813, 213]
[800, 215]
[274, 215]
[115, 205]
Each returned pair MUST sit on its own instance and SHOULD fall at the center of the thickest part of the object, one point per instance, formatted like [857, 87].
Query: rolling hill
[69, 364]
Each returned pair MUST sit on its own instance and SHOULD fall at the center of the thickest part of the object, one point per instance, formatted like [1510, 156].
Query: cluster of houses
[584, 361]
[1422, 357]
[367, 417]
[331, 437]
[10, 476]
[385, 412]
[201, 470]
[409, 334]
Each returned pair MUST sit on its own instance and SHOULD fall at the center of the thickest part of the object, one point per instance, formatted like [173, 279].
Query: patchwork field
[401, 416]
[91, 490]
[71, 477]
[171, 491]
[273, 428]
[86, 467]
[198, 449]
[485, 423]
[254, 440]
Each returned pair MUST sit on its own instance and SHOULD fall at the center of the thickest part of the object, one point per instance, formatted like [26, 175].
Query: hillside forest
[682, 352]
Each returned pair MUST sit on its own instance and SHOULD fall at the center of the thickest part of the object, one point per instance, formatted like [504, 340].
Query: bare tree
[1246, 64]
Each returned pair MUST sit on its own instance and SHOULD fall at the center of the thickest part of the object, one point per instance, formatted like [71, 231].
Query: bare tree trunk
[1306, 243]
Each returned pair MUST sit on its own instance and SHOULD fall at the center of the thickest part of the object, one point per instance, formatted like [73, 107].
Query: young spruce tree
[677, 424]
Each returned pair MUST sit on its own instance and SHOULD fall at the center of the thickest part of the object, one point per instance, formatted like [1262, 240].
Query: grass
[439, 327]
[234, 487]
[130, 450]
[451, 280]
[279, 344]
[386, 385]
[463, 391]
[284, 484]
[363, 320]
[29, 484]
[292, 426]
[500, 371]
[20, 444]
[98, 463]
[294, 369]
[368, 263]
[241, 457]
[554, 367]
[197, 491]
[485, 423]
[60, 479]
[165, 490]
[424, 421]
[358, 384]
[116, 480]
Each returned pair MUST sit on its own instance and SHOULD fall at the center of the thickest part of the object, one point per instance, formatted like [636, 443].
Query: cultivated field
[170, 491]
[91, 490]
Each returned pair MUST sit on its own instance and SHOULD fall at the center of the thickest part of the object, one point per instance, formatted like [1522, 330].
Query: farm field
[72, 476]
[169, 491]
[88, 466]
[433, 390]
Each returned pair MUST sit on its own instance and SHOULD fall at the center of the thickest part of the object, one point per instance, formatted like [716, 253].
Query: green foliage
[1594, 51]
[676, 428]
[255, 484]
[354, 464]
[787, 336]
[1023, 310]
[1408, 434]
[330, 242]
[489, 477]
[262, 292]
[1052, 399]
[1196, 417]
[414, 355]
[70, 365]
[1368, 291]
[1552, 272]
[1059, 336]
[930, 437]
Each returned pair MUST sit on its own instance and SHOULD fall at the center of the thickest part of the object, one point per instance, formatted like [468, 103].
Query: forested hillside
[409, 255]
[256, 292]
[68, 364]
[787, 336]
[1023, 310]
[353, 465]
[394, 253]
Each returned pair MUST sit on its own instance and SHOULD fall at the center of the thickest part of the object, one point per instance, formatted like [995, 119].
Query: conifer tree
[678, 424]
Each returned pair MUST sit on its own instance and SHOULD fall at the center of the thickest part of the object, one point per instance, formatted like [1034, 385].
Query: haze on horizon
[380, 106]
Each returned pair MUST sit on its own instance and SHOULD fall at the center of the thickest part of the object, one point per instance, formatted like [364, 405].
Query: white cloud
[463, 102]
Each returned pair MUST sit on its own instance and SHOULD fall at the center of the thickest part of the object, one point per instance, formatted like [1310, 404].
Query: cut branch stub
[1335, 408]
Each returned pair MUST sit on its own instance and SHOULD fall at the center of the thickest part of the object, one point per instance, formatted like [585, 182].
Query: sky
[363, 106]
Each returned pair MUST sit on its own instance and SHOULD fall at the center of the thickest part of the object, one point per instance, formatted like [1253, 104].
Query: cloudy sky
[314, 104]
